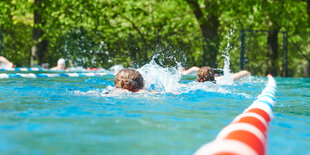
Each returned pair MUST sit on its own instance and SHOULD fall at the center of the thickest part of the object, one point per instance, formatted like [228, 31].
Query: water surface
[66, 115]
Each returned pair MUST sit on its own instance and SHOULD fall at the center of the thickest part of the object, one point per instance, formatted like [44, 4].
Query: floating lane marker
[247, 133]
[23, 69]
[50, 70]
[31, 75]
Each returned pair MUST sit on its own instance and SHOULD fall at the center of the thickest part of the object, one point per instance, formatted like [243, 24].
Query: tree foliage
[102, 33]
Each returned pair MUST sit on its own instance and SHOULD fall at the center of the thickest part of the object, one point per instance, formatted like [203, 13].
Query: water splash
[228, 46]
[226, 78]
[206, 86]
[115, 69]
[160, 79]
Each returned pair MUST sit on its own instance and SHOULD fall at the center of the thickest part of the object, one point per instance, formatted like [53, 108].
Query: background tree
[99, 33]
[40, 44]
[209, 24]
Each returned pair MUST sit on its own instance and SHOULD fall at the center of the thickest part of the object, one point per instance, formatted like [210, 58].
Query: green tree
[40, 44]
[208, 20]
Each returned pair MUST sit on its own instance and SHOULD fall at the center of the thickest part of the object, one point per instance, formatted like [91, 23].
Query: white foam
[159, 78]
[226, 79]
[116, 68]
[206, 86]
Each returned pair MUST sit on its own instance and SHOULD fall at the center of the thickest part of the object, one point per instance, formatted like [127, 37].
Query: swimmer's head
[129, 79]
[61, 63]
[44, 65]
[205, 73]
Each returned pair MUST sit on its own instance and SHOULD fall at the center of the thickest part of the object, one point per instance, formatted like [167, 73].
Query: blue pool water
[66, 115]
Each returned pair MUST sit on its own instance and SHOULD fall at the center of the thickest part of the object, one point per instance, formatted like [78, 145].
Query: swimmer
[206, 73]
[61, 65]
[5, 63]
[129, 80]
[44, 65]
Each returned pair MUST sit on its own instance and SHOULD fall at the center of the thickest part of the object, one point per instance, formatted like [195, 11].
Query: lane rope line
[32, 75]
[247, 133]
[33, 69]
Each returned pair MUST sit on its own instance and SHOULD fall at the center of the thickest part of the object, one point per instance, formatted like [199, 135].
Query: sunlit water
[73, 116]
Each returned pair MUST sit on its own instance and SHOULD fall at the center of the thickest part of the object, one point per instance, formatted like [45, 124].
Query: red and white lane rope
[247, 133]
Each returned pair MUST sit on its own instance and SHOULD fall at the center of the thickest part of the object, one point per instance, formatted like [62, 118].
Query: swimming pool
[65, 115]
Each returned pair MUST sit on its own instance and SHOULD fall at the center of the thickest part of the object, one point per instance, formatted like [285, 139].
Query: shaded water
[71, 116]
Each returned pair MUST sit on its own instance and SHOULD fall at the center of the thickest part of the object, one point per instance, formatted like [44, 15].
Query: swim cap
[61, 61]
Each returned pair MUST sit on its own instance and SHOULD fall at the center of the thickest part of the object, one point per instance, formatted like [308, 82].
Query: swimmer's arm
[3, 59]
[240, 75]
[6, 61]
[235, 76]
[191, 70]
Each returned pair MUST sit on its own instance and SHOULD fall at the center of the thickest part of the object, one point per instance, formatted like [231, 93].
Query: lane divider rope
[42, 69]
[32, 75]
[23, 69]
[247, 133]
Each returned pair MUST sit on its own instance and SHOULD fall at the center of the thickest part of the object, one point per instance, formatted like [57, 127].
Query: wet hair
[205, 73]
[129, 79]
